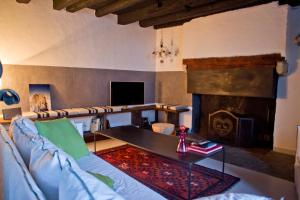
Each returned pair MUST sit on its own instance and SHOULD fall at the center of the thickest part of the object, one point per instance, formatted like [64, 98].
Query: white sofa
[297, 163]
[17, 182]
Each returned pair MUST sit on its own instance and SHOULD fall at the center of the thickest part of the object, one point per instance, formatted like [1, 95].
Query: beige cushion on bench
[164, 128]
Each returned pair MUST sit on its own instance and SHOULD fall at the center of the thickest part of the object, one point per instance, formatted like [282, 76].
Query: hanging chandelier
[164, 51]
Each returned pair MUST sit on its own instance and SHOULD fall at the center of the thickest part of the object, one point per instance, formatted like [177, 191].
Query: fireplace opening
[238, 121]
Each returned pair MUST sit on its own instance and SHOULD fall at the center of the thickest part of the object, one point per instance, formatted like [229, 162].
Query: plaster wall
[288, 104]
[250, 31]
[35, 34]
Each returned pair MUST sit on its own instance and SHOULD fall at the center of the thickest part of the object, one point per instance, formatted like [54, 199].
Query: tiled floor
[261, 160]
[252, 182]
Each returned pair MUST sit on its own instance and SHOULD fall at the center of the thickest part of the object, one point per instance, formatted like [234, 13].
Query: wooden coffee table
[163, 145]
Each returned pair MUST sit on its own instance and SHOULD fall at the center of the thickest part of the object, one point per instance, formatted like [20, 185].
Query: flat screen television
[126, 93]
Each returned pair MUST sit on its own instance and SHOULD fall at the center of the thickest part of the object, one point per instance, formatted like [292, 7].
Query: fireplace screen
[228, 128]
[223, 126]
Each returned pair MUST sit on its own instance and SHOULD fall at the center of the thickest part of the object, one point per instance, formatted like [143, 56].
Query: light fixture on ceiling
[8, 96]
[164, 52]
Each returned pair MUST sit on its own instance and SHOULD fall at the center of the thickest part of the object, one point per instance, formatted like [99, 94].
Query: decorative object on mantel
[282, 68]
[165, 52]
[7, 95]
[297, 40]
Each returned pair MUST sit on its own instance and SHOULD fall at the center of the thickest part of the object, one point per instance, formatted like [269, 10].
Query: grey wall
[80, 87]
[72, 87]
[171, 88]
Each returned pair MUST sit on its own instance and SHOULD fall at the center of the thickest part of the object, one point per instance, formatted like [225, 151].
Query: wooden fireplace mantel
[248, 76]
[256, 61]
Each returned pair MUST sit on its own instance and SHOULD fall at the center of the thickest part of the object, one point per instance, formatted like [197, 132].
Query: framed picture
[39, 97]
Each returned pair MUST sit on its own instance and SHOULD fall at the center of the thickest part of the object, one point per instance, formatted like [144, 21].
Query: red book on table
[197, 149]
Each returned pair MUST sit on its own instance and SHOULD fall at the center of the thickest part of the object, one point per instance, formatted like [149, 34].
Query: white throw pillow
[77, 184]
[78, 126]
[26, 124]
[25, 136]
[46, 164]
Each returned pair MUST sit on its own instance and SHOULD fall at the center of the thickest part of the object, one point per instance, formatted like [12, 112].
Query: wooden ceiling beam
[86, 4]
[171, 24]
[61, 4]
[150, 11]
[154, 10]
[138, 6]
[115, 6]
[201, 11]
[23, 1]
[292, 3]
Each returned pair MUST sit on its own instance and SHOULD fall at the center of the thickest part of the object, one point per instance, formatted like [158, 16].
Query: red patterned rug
[166, 176]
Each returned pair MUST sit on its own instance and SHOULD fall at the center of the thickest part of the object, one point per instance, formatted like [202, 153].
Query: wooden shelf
[173, 111]
[136, 110]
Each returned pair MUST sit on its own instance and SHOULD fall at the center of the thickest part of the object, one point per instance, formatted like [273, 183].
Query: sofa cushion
[25, 135]
[26, 124]
[105, 179]
[77, 184]
[46, 164]
[64, 135]
[15, 179]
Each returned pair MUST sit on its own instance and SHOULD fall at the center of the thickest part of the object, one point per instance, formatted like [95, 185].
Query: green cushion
[105, 179]
[64, 135]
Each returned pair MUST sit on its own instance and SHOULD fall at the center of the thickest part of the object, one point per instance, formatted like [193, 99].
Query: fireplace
[234, 99]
